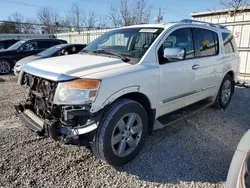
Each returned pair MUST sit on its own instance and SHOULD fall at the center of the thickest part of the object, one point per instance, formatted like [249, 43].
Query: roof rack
[204, 23]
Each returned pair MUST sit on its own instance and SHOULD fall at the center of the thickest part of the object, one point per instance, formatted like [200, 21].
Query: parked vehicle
[239, 171]
[129, 82]
[24, 48]
[4, 44]
[58, 50]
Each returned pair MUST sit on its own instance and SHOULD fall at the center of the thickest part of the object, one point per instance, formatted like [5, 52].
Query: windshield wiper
[123, 58]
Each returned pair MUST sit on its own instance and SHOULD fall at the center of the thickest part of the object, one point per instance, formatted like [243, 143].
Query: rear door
[203, 67]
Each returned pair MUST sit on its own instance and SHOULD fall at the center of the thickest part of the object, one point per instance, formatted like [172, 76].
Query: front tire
[5, 67]
[121, 133]
[225, 93]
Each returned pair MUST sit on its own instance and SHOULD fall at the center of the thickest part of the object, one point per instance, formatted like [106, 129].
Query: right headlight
[77, 92]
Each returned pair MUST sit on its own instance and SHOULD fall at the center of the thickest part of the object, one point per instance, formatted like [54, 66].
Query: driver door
[175, 79]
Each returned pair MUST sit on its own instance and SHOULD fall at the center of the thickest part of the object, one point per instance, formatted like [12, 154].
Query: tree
[22, 26]
[130, 12]
[50, 19]
[17, 18]
[7, 27]
[75, 17]
[235, 5]
[90, 20]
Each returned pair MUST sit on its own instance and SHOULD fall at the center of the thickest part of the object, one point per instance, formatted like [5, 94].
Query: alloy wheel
[4, 67]
[226, 92]
[126, 134]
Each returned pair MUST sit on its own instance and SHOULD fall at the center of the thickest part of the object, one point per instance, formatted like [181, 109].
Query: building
[238, 22]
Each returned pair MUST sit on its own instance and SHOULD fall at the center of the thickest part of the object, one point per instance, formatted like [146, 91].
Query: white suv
[129, 82]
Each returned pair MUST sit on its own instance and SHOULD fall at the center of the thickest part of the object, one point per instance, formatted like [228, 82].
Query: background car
[24, 48]
[58, 50]
[239, 171]
[4, 44]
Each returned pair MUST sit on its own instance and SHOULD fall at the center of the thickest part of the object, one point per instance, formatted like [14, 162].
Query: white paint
[157, 82]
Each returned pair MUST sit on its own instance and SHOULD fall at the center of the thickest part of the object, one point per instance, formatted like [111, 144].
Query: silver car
[239, 171]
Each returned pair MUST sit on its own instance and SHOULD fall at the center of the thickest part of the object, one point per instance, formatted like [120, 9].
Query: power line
[44, 25]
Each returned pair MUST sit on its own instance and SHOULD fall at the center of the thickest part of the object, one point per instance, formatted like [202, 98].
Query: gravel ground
[191, 153]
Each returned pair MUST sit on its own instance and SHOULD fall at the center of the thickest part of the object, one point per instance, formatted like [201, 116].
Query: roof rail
[204, 23]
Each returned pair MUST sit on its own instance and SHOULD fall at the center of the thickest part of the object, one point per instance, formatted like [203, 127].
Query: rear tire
[121, 133]
[225, 93]
[5, 67]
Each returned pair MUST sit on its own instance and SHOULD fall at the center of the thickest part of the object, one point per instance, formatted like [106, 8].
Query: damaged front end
[60, 122]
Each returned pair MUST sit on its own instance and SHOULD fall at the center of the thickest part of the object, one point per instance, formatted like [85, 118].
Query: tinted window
[29, 46]
[229, 43]
[47, 44]
[181, 38]
[207, 42]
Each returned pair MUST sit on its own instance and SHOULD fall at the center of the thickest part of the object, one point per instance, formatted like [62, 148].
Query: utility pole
[159, 18]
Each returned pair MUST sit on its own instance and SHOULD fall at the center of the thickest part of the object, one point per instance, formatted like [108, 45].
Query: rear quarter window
[208, 44]
[229, 43]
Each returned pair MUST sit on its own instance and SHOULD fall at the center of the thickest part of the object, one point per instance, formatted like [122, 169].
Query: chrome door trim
[186, 94]
[181, 96]
[206, 88]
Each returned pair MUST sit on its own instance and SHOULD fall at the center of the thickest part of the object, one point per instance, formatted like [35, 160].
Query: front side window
[29, 46]
[229, 43]
[16, 45]
[130, 42]
[181, 38]
[207, 42]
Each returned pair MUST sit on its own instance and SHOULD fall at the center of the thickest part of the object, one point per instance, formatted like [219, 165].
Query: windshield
[16, 45]
[129, 42]
[49, 51]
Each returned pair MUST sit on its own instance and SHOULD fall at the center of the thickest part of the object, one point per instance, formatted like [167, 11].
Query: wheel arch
[133, 93]
[143, 100]
[232, 74]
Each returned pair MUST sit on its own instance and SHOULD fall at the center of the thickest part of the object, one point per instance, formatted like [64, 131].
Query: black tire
[5, 67]
[218, 103]
[102, 146]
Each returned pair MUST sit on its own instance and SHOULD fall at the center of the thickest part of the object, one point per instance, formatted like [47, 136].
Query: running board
[180, 114]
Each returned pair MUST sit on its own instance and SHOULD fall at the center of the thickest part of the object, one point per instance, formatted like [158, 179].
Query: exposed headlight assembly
[80, 91]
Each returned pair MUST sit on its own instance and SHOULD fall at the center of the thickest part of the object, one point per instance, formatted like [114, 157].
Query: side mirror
[175, 54]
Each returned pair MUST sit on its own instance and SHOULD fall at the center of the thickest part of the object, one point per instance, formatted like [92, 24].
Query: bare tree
[22, 25]
[130, 12]
[75, 17]
[90, 20]
[7, 28]
[235, 5]
[17, 18]
[50, 19]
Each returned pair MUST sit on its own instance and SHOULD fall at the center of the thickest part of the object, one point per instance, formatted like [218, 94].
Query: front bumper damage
[54, 128]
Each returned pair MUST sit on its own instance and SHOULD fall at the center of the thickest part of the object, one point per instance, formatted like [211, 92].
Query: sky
[173, 10]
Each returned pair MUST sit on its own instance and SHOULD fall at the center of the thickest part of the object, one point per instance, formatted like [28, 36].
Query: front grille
[40, 93]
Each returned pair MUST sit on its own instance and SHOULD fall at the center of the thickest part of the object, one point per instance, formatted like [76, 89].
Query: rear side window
[229, 43]
[208, 44]
[47, 44]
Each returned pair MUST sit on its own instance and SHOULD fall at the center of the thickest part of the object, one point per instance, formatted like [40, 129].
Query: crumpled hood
[78, 65]
[28, 59]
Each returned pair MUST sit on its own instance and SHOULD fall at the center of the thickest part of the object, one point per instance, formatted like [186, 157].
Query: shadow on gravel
[199, 149]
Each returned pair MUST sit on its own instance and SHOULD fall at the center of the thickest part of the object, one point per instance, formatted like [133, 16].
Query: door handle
[195, 66]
